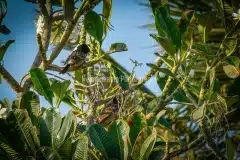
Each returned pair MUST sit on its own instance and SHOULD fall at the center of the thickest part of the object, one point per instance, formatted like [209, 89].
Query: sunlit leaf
[199, 113]
[231, 71]
[107, 13]
[136, 122]
[59, 90]
[94, 25]
[41, 84]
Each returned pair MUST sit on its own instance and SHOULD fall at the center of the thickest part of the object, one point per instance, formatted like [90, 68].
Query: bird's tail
[65, 69]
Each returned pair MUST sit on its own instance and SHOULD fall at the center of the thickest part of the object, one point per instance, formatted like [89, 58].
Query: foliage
[112, 114]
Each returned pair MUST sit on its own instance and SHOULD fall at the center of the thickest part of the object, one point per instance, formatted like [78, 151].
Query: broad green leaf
[121, 78]
[65, 149]
[198, 113]
[234, 60]
[205, 24]
[144, 144]
[64, 130]
[94, 25]
[165, 43]
[81, 150]
[167, 27]
[107, 13]
[9, 152]
[163, 70]
[3, 48]
[47, 153]
[231, 150]
[68, 9]
[136, 122]
[119, 132]
[166, 133]
[53, 122]
[44, 133]
[231, 71]
[101, 140]
[179, 96]
[30, 101]
[59, 90]
[118, 47]
[41, 84]
[229, 46]
[19, 123]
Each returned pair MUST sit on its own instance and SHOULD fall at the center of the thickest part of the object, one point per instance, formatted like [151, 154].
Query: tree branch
[85, 8]
[10, 80]
[42, 51]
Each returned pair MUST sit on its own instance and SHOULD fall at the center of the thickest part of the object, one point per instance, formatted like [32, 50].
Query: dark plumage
[77, 57]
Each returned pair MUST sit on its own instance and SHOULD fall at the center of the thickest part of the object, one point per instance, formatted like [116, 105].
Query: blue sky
[127, 16]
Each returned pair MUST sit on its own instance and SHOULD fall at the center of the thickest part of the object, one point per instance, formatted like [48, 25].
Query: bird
[76, 58]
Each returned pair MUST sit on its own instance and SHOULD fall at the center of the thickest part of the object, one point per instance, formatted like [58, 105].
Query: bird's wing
[69, 57]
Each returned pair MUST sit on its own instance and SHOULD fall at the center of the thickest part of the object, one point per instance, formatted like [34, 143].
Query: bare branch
[10, 80]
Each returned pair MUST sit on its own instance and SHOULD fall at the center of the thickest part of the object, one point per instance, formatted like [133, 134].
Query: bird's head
[83, 48]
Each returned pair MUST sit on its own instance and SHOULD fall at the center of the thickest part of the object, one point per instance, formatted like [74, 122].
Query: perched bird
[77, 57]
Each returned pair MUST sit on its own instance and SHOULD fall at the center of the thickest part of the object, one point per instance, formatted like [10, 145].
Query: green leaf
[101, 140]
[3, 48]
[107, 13]
[165, 43]
[144, 144]
[81, 151]
[53, 122]
[212, 82]
[167, 27]
[47, 153]
[231, 71]
[231, 150]
[179, 96]
[19, 123]
[30, 101]
[205, 24]
[121, 78]
[59, 90]
[136, 122]
[65, 149]
[44, 133]
[119, 132]
[68, 9]
[64, 130]
[185, 21]
[234, 60]
[118, 47]
[41, 84]
[9, 152]
[198, 113]
[166, 133]
[163, 70]
[94, 25]
[229, 46]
